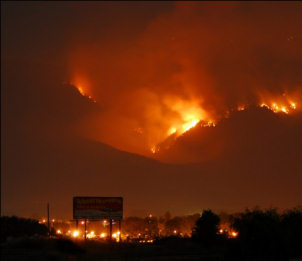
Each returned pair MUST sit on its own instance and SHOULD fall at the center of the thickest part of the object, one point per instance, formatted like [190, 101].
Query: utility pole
[110, 229]
[120, 230]
[48, 224]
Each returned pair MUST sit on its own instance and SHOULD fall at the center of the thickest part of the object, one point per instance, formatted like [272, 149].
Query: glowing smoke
[194, 63]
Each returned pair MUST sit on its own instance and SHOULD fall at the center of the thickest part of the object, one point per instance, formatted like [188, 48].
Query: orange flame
[278, 104]
[186, 114]
[82, 85]
[83, 93]
[190, 114]
[285, 108]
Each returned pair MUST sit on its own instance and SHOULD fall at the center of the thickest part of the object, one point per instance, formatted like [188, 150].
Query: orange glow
[275, 107]
[186, 115]
[116, 236]
[190, 124]
[81, 85]
[146, 241]
[75, 233]
[152, 121]
[233, 234]
[171, 131]
[149, 98]
[278, 104]
[207, 124]
[153, 149]
[83, 93]
[241, 108]
[91, 235]
[189, 114]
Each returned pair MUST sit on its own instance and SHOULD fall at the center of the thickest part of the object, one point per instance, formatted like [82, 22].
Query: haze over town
[174, 106]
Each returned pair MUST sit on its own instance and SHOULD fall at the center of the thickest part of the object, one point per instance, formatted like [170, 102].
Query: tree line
[264, 234]
[268, 234]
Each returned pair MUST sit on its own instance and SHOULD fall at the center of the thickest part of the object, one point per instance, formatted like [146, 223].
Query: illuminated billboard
[97, 207]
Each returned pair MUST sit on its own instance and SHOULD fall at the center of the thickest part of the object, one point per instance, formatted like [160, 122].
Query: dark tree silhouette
[291, 225]
[19, 227]
[259, 233]
[206, 228]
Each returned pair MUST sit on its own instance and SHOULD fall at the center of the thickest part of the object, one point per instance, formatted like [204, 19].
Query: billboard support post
[110, 229]
[120, 230]
[85, 229]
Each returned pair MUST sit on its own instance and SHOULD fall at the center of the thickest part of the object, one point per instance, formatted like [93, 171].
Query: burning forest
[169, 105]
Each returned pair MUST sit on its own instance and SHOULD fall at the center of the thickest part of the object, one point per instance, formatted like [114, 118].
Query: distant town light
[75, 233]
[234, 234]
[91, 235]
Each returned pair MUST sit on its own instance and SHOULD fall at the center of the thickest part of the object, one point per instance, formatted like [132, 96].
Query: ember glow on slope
[193, 63]
[191, 114]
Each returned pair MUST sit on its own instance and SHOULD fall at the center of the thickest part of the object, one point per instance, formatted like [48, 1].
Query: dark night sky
[149, 65]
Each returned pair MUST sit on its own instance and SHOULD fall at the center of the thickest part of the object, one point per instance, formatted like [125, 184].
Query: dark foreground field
[56, 249]
[171, 249]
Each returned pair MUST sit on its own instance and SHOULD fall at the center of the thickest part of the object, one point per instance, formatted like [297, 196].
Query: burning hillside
[186, 115]
[189, 65]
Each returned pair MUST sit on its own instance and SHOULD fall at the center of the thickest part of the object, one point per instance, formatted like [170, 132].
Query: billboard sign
[97, 208]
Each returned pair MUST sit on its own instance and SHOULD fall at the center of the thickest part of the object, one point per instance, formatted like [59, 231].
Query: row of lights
[230, 233]
[76, 234]
[43, 221]
[115, 235]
